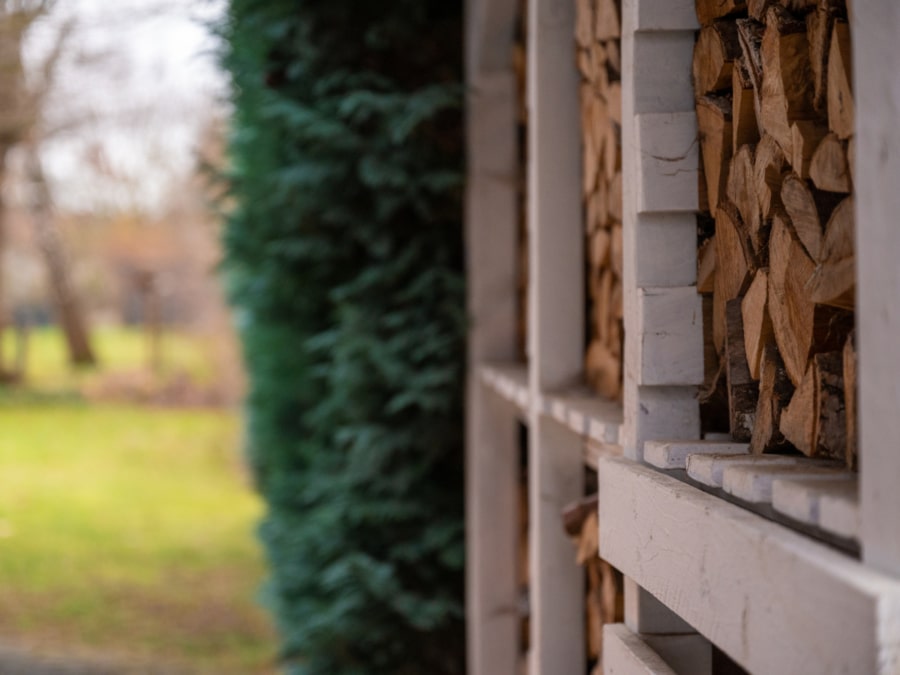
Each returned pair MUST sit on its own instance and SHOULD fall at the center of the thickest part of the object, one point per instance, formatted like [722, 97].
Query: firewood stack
[520, 64]
[605, 599]
[773, 85]
[597, 34]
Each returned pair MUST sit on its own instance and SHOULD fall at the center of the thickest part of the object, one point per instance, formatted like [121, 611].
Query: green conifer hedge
[344, 262]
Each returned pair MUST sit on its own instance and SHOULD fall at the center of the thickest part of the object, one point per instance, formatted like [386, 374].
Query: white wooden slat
[492, 449]
[670, 339]
[683, 653]
[593, 451]
[876, 61]
[774, 600]
[800, 498]
[585, 414]
[625, 653]
[646, 615]
[839, 511]
[492, 534]
[708, 469]
[654, 413]
[555, 228]
[662, 67]
[556, 319]
[674, 454]
[662, 15]
[668, 156]
[509, 382]
[489, 32]
[754, 483]
[666, 250]
[556, 598]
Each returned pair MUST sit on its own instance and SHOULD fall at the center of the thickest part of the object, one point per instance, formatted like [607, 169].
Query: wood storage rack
[733, 557]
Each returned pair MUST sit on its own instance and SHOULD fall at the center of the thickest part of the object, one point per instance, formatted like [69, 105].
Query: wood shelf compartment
[727, 572]
[586, 414]
[510, 382]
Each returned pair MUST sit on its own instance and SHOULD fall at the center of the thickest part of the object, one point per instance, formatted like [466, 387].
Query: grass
[118, 348]
[127, 531]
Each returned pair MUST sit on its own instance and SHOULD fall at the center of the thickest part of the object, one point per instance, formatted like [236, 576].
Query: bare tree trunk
[71, 316]
[3, 372]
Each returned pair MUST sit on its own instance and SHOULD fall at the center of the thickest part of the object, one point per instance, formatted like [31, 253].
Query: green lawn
[118, 349]
[129, 531]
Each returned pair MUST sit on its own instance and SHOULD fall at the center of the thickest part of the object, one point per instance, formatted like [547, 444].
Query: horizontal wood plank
[749, 585]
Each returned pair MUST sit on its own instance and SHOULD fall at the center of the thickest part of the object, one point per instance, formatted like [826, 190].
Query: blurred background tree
[344, 261]
[20, 117]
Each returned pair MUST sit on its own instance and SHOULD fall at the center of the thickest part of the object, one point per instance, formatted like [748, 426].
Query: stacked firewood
[773, 85]
[523, 574]
[597, 34]
[520, 65]
[605, 599]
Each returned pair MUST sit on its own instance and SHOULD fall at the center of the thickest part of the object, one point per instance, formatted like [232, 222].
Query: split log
[815, 420]
[716, 49]
[597, 216]
[851, 158]
[740, 188]
[732, 271]
[714, 124]
[706, 266]
[807, 209]
[819, 25]
[790, 268]
[612, 149]
[799, 6]
[775, 391]
[615, 197]
[834, 281]
[850, 399]
[584, 23]
[805, 138]
[599, 54]
[606, 20]
[787, 85]
[743, 391]
[613, 97]
[756, 320]
[590, 150]
[585, 65]
[756, 9]
[743, 106]
[616, 250]
[840, 90]
[829, 168]
[599, 249]
[769, 166]
[575, 514]
[601, 293]
[750, 37]
[710, 10]
[614, 57]
[603, 369]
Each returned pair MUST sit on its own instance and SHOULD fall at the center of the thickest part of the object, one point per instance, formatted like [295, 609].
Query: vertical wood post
[492, 532]
[556, 331]
[876, 26]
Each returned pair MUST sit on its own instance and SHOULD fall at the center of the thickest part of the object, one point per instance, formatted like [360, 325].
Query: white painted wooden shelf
[787, 565]
[594, 420]
[509, 382]
[774, 600]
[795, 487]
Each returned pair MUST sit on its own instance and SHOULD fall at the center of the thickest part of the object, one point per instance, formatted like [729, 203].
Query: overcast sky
[137, 81]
